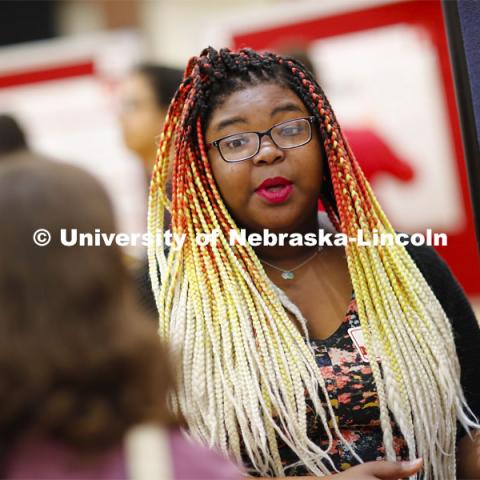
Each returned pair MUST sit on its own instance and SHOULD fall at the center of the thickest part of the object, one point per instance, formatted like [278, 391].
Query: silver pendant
[286, 275]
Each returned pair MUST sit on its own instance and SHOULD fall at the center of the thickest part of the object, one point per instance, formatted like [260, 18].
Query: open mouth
[275, 190]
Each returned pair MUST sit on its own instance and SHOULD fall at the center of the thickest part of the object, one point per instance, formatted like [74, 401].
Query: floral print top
[352, 392]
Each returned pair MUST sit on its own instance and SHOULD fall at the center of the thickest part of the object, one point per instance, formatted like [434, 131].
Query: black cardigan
[452, 298]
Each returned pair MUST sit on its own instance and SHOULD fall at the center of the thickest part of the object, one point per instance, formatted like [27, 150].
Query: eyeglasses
[245, 145]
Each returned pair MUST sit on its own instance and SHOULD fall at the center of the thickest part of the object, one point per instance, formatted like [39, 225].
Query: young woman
[80, 368]
[300, 361]
[144, 97]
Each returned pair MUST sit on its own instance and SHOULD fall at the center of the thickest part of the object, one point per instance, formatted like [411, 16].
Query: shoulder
[449, 293]
[443, 283]
[430, 263]
[193, 460]
[41, 458]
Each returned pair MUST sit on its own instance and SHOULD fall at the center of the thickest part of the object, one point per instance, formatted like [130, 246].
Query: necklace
[288, 274]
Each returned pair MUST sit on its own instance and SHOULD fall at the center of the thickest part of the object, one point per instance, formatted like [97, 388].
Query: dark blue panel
[469, 13]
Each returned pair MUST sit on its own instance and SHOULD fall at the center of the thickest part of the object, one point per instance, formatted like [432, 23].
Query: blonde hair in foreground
[244, 366]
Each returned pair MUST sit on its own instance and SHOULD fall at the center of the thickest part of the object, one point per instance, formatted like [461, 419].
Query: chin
[281, 223]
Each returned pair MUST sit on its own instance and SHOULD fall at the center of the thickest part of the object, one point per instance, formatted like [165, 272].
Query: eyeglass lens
[285, 135]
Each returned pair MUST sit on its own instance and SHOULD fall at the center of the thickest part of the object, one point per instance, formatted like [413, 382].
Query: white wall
[177, 30]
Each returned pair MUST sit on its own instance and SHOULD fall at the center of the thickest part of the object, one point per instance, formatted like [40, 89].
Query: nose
[268, 153]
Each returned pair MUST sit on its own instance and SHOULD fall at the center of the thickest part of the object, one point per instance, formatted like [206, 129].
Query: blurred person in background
[12, 136]
[80, 369]
[14, 145]
[144, 98]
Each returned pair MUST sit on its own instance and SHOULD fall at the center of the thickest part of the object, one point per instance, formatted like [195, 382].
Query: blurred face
[278, 188]
[141, 118]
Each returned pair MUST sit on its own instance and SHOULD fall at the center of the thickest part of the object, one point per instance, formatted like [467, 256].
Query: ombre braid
[244, 366]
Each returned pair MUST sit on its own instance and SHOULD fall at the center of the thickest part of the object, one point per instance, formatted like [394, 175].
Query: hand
[380, 470]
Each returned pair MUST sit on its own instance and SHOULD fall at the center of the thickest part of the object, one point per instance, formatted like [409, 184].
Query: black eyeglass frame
[216, 143]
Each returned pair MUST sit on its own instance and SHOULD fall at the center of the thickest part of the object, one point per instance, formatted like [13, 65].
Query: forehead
[254, 101]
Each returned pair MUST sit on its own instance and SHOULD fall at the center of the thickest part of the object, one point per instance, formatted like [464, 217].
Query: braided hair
[244, 367]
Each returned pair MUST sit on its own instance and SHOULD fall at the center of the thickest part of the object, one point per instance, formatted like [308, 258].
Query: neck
[148, 176]
[287, 255]
[148, 158]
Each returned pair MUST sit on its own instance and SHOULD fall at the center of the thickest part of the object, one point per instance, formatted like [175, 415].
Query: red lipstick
[275, 189]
